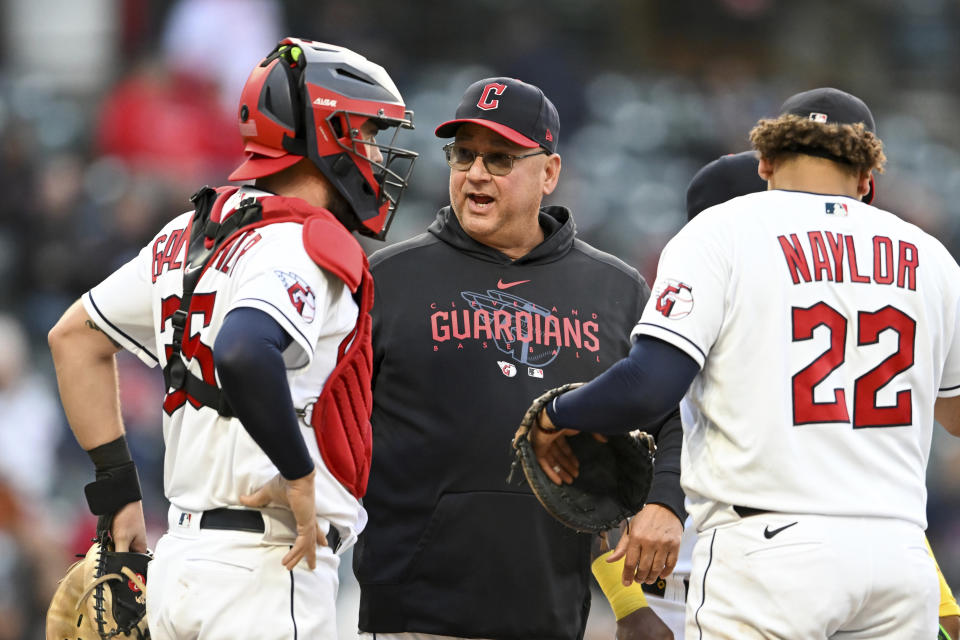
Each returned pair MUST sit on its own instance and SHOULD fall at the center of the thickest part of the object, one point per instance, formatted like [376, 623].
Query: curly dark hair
[848, 144]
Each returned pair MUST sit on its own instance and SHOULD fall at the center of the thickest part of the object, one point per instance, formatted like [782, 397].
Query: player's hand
[299, 496]
[128, 529]
[650, 545]
[643, 624]
[554, 454]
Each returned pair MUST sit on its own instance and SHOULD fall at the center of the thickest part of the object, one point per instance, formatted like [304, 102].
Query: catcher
[257, 311]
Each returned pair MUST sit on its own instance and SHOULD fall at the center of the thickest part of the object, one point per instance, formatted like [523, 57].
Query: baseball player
[256, 305]
[815, 355]
[727, 177]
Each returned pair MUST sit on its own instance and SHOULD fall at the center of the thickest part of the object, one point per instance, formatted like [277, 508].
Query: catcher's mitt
[104, 595]
[614, 480]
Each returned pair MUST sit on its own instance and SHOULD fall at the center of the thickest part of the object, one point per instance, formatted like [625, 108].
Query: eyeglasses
[496, 163]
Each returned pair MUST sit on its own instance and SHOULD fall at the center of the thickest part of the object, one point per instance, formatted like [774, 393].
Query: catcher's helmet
[309, 99]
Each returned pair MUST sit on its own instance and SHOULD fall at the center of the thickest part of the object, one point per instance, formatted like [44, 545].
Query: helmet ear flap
[342, 165]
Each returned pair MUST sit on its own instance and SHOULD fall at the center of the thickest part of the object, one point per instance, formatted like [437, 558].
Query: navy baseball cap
[727, 177]
[518, 111]
[832, 106]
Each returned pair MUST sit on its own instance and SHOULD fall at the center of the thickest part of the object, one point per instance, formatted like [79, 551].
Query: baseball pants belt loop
[746, 512]
[232, 519]
[660, 588]
[333, 538]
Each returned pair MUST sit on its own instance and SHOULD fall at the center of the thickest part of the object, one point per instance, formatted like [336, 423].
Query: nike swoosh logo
[768, 533]
[506, 285]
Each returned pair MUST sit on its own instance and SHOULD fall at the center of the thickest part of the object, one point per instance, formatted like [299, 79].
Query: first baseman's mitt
[614, 480]
[104, 596]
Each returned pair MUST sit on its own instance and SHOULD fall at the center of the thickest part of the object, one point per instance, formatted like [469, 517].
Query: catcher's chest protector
[341, 414]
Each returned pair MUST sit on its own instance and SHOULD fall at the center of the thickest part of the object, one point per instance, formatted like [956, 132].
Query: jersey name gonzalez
[168, 252]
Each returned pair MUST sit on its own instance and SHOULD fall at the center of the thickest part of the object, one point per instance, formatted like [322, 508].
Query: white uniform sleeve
[686, 306]
[950, 379]
[289, 287]
[121, 306]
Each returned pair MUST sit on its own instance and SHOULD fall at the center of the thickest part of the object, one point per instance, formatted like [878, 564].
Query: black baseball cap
[832, 106]
[722, 179]
[518, 111]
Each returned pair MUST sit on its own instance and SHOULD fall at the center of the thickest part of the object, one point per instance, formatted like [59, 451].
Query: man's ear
[765, 168]
[863, 184]
[551, 171]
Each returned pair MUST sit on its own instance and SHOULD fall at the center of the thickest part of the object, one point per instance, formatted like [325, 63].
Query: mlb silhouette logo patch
[835, 208]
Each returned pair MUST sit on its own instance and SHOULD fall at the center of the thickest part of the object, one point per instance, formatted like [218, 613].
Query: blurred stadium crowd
[113, 112]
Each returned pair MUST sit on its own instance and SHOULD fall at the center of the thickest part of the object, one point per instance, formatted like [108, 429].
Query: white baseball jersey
[211, 460]
[825, 329]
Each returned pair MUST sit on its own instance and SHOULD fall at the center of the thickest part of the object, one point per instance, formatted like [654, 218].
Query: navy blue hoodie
[464, 339]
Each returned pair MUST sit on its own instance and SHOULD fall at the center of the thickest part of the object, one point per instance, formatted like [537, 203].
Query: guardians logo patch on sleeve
[300, 294]
[674, 299]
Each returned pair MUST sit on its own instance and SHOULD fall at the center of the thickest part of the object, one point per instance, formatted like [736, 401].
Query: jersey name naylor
[824, 255]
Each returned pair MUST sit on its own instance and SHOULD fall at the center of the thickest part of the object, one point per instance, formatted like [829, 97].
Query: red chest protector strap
[341, 414]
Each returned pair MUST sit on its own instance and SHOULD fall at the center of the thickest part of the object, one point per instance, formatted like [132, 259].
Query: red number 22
[870, 325]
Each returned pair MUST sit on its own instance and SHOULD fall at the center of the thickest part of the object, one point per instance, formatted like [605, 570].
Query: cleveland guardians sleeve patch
[301, 295]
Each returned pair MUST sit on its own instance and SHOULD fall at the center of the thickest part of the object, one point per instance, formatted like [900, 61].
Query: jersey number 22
[869, 326]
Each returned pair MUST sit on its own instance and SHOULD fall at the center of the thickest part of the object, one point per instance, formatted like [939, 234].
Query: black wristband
[117, 483]
[111, 454]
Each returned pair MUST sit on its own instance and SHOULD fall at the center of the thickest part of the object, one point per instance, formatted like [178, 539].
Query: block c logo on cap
[487, 101]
